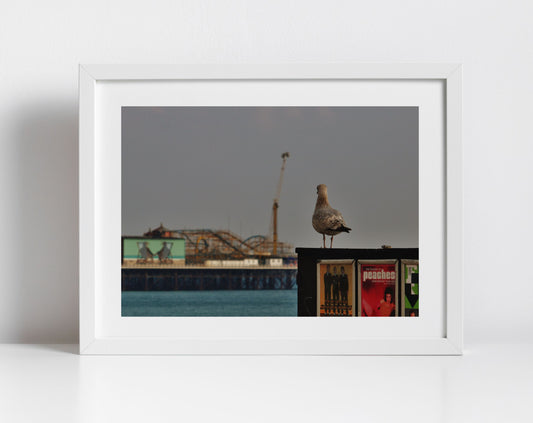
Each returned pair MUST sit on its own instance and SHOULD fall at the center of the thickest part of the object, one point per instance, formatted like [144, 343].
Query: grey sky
[214, 167]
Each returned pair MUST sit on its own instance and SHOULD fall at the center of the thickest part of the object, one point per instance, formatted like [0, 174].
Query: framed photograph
[197, 189]
[336, 288]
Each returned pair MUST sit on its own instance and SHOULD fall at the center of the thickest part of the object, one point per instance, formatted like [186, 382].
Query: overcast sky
[218, 168]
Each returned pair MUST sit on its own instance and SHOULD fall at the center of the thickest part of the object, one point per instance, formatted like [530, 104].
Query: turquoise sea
[210, 303]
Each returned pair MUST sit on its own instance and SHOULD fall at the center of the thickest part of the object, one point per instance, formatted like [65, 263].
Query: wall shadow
[44, 294]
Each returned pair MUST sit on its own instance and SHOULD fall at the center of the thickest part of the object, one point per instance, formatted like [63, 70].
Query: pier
[203, 278]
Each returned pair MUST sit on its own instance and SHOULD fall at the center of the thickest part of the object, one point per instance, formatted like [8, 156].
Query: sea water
[281, 302]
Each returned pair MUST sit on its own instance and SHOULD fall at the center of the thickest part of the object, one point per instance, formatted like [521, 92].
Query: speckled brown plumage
[327, 220]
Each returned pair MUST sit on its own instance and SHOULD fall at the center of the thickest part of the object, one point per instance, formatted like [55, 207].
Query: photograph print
[215, 201]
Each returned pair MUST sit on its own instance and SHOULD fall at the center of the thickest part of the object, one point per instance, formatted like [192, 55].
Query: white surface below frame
[139, 389]
[104, 331]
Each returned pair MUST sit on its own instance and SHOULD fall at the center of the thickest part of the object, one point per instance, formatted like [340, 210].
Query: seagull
[327, 220]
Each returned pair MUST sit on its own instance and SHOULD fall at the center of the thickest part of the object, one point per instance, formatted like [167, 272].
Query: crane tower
[275, 206]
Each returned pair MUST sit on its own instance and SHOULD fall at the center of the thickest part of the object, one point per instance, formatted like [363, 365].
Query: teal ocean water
[210, 303]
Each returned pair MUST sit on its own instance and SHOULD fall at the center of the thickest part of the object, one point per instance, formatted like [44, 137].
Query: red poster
[378, 284]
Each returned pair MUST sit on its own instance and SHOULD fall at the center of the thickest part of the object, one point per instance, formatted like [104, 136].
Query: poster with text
[378, 287]
[336, 288]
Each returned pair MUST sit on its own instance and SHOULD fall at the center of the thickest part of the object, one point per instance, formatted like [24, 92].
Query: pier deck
[167, 278]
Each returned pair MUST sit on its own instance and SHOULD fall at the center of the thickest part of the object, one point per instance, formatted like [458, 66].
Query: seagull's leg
[331, 244]
[324, 239]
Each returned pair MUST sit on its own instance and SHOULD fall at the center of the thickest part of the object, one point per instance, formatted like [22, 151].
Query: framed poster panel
[106, 90]
[336, 293]
[378, 288]
[410, 288]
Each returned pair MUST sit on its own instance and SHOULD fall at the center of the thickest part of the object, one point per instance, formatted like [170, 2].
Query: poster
[336, 288]
[410, 295]
[378, 286]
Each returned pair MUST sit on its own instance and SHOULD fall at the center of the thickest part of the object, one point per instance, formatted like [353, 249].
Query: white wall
[41, 44]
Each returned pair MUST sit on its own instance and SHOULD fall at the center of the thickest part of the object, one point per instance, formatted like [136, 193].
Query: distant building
[277, 261]
[159, 232]
[162, 251]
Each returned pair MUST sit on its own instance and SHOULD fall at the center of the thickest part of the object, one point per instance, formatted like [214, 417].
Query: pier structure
[203, 245]
[201, 278]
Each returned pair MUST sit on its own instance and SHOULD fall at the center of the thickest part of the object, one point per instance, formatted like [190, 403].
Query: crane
[275, 207]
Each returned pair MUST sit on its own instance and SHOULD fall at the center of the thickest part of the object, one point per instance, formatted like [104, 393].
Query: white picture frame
[104, 88]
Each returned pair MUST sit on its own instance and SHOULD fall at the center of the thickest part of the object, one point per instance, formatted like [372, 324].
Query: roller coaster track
[209, 244]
